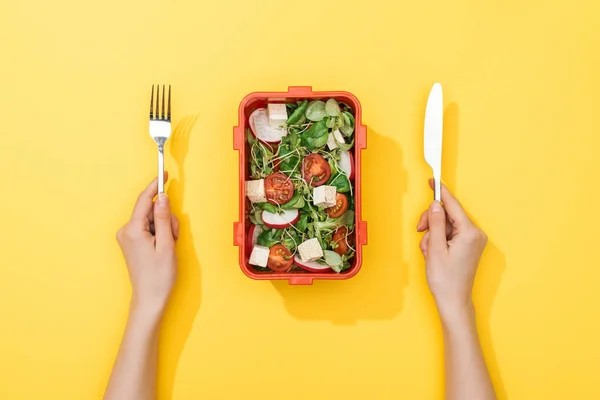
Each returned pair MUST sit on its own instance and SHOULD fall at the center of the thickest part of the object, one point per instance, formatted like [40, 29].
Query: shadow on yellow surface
[493, 262]
[489, 275]
[186, 297]
[377, 291]
[450, 145]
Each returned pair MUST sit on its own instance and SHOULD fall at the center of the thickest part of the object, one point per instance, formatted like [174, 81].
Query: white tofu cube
[310, 250]
[277, 115]
[331, 142]
[255, 190]
[259, 256]
[324, 196]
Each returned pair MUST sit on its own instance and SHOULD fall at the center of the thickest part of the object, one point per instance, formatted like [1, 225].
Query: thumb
[437, 229]
[162, 224]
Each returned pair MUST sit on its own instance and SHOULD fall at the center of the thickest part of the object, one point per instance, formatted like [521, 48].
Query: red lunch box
[240, 230]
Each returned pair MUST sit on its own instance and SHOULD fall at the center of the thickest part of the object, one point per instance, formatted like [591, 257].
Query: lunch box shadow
[377, 291]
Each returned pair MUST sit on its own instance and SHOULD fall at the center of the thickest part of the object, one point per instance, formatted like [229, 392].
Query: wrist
[148, 312]
[457, 315]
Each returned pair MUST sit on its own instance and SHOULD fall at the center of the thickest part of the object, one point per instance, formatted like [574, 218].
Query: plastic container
[256, 100]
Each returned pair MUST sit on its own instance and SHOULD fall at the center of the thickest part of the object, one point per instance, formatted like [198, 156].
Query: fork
[160, 129]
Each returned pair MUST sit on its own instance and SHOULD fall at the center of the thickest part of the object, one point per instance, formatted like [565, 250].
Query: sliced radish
[259, 125]
[280, 221]
[311, 266]
[346, 163]
[252, 236]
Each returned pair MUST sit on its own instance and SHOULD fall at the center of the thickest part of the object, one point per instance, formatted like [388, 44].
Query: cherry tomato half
[341, 237]
[279, 188]
[315, 169]
[280, 258]
[341, 205]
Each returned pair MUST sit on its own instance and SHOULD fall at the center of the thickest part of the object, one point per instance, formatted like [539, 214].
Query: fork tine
[163, 115]
[169, 106]
[151, 101]
[157, 114]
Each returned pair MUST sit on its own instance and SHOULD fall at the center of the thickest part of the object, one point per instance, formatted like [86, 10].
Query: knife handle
[437, 188]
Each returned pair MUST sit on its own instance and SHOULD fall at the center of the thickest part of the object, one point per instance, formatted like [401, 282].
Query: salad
[300, 189]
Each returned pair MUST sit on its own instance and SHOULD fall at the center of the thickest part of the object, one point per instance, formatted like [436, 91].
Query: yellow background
[521, 82]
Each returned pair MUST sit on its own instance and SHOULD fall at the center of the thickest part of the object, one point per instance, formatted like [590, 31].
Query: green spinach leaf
[348, 128]
[298, 113]
[302, 223]
[341, 182]
[332, 108]
[268, 238]
[267, 207]
[316, 110]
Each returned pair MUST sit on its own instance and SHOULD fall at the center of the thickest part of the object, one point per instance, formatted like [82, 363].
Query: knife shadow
[450, 145]
[186, 297]
[493, 262]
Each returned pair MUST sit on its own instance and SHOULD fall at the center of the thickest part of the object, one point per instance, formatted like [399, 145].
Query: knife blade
[434, 118]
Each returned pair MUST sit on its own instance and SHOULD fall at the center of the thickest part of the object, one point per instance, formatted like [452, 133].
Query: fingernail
[162, 201]
[418, 225]
[436, 207]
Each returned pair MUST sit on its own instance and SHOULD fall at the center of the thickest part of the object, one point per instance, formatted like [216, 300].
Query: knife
[433, 137]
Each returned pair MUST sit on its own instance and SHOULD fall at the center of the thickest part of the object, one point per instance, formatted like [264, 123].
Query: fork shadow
[186, 298]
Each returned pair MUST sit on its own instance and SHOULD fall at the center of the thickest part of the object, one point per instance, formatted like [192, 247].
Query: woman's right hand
[452, 247]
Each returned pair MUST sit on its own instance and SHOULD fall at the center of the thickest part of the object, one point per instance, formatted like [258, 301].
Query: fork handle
[161, 166]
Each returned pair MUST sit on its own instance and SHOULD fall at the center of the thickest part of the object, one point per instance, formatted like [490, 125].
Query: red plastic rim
[259, 99]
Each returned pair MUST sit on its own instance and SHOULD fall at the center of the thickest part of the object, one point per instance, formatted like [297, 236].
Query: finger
[437, 228]
[143, 207]
[451, 205]
[423, 224]
[424, 245]
[162, 224]
[175, 226]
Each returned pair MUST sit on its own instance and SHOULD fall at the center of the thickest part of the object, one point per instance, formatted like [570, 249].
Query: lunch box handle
[238, 138]
[300, 90]
[362, 228]
[301, 280]
[238, 234]
[361, 137]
